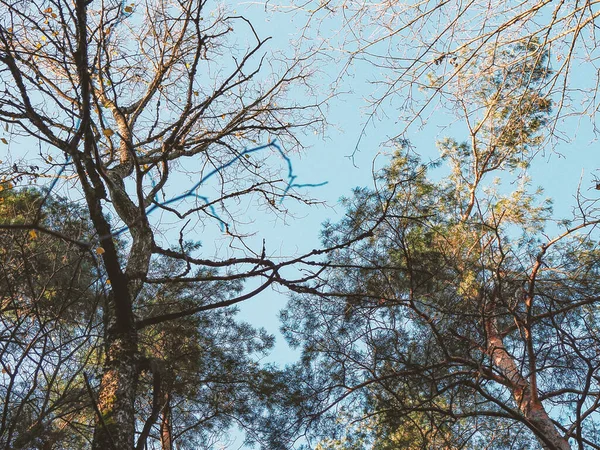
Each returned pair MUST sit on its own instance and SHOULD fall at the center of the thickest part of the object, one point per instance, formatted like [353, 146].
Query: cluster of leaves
[52, 294]
[50, 290]
[401, 335]
[458, 323]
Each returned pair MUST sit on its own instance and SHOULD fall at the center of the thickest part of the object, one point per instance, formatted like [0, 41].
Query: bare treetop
[426, 50]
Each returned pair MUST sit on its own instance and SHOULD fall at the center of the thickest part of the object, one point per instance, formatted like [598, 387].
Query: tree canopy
[466, 319]
[124, 101]
[448, 308]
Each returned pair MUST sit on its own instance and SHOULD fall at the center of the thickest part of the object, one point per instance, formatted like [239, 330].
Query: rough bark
[166, 432]
[523, 392]
[115, 427]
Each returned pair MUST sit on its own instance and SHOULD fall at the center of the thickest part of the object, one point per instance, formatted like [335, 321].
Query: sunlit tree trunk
[523, 392]
[166, 431]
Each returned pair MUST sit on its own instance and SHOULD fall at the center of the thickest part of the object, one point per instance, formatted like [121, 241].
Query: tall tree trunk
[524, 394]
[115, 428]
[166, 431]
[115, 424]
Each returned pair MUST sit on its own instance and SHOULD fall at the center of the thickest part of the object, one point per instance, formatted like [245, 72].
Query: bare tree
[413, 42]
[125, 101]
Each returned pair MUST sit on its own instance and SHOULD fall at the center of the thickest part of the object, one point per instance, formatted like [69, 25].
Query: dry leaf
[100, 251]
[4, 141]
[108, 132]
[32, 234]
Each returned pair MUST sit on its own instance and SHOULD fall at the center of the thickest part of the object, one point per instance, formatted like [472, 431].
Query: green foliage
[49, 294]
[506, 111]
[53, 297]
[42, 271]
[423, 335]
[208, 361]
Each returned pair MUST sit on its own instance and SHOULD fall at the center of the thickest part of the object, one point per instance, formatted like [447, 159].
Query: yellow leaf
[32, 234]
[48, 10]
[100, 251]
[108, 282]
[108, 132]
[128, 9]
[223, 116]
[4, 141]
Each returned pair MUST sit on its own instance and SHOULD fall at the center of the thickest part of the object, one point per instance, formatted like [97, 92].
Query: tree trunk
[115, 428]
[166, 432]
[523, 393]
